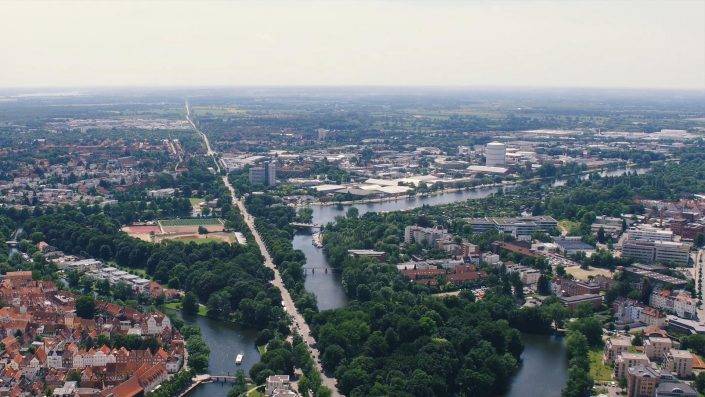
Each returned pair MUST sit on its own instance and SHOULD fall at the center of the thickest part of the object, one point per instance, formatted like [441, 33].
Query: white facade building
[495, 154]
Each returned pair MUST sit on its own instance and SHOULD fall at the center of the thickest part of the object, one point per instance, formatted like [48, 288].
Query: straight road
[699, 267]
[209, 150]
[298, 324]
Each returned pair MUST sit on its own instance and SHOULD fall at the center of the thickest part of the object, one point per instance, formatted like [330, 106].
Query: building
[669, 386]
[679, 303]
[279, 386]
[611, 226]
[684, 325]
[161, 193]
[520, 227]
[359, 253]
[615, 346]
[571, 302]
[266, 174]
[425, 235]
[656, 348]
[641, 381]
[648, 244]
[527, 275]
[626, 360]
[654, 278]
[649, 233]
[495, 154]
[573, 245]
[570, 287]
[652, 317]
[626, 312]
[671, 252]
[679, 362]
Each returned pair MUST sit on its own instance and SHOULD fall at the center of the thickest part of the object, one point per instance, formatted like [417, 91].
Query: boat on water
[317, 240]
[238, 359]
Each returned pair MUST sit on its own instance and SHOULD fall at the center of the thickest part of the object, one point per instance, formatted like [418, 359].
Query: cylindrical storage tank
[495, 154]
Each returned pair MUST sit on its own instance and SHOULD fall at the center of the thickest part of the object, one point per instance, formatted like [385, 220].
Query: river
[543, 371]
[225, 342]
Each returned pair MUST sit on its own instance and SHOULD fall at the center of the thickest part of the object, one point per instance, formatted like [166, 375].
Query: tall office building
[266, 174]
[495, 154]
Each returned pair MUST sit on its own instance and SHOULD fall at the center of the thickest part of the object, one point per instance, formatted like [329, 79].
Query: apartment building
[678, 302]
[614, 347]
[626, 360]
[641, 381]
[656, 348]
[520, 227]
[680, 362]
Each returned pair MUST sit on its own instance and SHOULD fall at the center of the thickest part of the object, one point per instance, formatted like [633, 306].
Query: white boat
[317, 240]
[238, 359]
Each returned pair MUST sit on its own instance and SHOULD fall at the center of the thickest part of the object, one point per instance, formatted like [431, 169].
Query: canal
[543, 371]
[225, 342]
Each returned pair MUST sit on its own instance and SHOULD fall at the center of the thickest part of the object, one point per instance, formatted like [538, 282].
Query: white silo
[495, 154]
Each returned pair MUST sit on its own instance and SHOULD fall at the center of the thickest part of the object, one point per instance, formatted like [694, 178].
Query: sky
[645, 44]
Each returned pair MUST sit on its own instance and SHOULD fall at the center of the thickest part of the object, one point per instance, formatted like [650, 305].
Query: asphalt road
[298, 324]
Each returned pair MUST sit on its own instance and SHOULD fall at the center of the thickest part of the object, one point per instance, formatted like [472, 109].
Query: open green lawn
[202, 310]
[598, 370]
[195, 201]
[190, 222]
[572, 228]
[203, 240]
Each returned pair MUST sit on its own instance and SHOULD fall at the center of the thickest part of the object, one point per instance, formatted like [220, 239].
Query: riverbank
[605, 171]
[543, 370]
[225, 341]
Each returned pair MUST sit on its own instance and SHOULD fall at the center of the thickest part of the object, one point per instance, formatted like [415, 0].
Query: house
[678, 302]
[626, 312]
[652, 317]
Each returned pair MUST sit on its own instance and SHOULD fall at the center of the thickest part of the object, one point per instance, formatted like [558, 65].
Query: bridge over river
[208, 378]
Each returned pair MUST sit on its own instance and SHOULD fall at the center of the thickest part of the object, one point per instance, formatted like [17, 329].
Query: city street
[698, 264]
[298, 324]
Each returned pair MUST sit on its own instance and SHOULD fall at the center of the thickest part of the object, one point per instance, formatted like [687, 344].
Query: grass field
[570, 227]
[191, 222]
[202, 310]
[204, 240]
[195, 201]
[598, 370]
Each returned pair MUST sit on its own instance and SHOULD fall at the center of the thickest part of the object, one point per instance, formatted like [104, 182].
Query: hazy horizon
[454, 45]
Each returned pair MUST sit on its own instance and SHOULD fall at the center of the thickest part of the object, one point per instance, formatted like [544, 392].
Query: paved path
[298, 324]
[699, 267]
[209, 150]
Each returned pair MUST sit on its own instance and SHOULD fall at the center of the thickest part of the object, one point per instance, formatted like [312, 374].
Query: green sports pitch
[191, 222]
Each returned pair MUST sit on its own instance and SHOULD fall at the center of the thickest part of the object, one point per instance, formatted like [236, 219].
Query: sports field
[185, 229]
[191, 222]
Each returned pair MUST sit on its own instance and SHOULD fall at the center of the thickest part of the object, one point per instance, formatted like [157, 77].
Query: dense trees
[189, 304]
[272, 222]
[85, 307]
[234, 272]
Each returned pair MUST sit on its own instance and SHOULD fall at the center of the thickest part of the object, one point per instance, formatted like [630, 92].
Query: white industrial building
[495, 154]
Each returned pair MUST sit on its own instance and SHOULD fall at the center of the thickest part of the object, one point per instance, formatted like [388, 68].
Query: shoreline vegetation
[439, 192]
